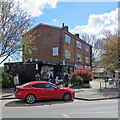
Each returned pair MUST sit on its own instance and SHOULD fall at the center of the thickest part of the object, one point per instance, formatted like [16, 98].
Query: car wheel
[67, 97]
[30, 99]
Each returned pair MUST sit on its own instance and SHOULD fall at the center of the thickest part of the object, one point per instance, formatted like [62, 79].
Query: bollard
[100, 86]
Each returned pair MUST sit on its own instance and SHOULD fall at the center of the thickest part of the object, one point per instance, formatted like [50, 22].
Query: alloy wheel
[30, 99]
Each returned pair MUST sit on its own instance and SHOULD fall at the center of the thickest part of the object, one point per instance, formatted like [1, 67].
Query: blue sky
[92, 18]
[74, 13]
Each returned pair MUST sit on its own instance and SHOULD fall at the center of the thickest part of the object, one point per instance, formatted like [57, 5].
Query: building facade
[58, 51]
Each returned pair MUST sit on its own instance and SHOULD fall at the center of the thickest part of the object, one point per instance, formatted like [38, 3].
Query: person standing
[66, 80]
[37, 77]
[16, 81]
[51, 79]
[56, 80]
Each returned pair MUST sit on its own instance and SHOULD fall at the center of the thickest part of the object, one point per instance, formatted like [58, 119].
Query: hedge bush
[7, 80]
[81, 77]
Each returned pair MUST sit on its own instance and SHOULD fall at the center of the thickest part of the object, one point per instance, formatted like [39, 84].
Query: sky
[89, 17]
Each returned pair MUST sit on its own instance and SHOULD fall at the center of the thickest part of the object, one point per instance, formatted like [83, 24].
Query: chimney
[64, 27]
[77, 35]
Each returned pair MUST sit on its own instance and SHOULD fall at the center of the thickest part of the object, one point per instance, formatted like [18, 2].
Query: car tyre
[67, 97]
[30, 99]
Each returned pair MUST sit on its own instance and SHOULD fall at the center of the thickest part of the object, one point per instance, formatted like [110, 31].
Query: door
[53, 92]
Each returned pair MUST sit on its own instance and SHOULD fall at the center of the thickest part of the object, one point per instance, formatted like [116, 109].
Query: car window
[40, 85]
[49, 86]
[26, 84]
[44, 85]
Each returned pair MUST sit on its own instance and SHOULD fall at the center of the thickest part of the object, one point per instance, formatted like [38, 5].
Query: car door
[40, 90]
[53, 92]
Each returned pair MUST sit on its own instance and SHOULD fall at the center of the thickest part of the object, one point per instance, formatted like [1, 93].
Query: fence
[110, 84]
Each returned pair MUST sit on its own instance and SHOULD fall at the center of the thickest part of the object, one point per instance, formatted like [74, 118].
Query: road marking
[65, 115]
[93, 112]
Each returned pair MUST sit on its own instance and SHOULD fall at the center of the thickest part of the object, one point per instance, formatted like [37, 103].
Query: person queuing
[56, 80]
[16, 81]
[51, 79]
[66, 80]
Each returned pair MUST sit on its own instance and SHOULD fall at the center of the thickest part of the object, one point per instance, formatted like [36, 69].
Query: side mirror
[56, 88]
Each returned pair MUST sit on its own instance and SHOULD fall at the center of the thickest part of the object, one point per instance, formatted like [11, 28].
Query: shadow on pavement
[108, 92]
[20, 103]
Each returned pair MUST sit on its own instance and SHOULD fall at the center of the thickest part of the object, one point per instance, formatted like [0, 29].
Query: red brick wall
[49, 38]
[52, 37]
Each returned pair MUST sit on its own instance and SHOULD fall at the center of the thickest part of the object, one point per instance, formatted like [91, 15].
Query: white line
[65, 115]
[93, 112]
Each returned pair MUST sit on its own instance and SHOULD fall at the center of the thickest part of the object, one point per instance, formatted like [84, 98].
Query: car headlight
[72, 90]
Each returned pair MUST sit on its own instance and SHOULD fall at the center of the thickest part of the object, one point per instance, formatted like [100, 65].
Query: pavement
[88, 94]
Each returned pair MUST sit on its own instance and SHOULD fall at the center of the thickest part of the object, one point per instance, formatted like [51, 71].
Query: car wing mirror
[56, 88]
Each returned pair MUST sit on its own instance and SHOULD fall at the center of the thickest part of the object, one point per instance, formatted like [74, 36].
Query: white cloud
[35, 7]
[54, 20]
[98, 23]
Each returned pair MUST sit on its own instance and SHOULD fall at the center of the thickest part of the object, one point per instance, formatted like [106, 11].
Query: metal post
[116, 85]
[105, 84]
[100, 86]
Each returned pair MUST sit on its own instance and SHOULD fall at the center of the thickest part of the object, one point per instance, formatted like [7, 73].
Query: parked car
[43, 90]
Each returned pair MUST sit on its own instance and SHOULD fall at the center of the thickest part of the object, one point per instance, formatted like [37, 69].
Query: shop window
[87, 60]
[46, 71]
[78, 58]
[87, 48]
[78, 44]
[67, 39]
[67, 54]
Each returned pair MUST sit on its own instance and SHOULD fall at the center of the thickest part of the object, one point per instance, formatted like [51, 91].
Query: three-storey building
[58, 51]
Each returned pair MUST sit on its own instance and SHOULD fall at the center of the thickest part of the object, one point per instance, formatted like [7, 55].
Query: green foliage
[76, 80]
[7, 80]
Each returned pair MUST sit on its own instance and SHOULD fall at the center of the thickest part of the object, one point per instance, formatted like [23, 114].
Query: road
[58, 109]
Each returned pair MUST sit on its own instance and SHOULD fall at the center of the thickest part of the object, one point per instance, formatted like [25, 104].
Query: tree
[109, 51]
[13, 24]
[92, 41]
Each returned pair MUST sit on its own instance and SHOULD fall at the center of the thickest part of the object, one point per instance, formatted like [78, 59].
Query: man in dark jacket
[66, 80]
[51, 79]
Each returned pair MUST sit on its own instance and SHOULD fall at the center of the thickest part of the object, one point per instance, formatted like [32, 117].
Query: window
[78, 44]
[40, 85]
[86, 59]
[87, 48]
[26, 84]
[67, 54]
[67, 39]
[49, 86]
[55, 51]
[78, 57]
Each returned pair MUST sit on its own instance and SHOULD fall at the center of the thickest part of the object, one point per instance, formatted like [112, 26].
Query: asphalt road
[59, 109]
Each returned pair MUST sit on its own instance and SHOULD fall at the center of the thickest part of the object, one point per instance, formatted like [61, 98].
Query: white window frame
[78, 44]
[79, 56]
[55, 51]
[87, 48]
[67, 39]
[67, 54]
[87, 60]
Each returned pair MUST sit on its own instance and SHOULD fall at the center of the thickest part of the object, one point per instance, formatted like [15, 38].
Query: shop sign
[63, 62]
[36, 66]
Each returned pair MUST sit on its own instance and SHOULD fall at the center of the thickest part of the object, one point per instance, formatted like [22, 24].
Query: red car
[42, 90]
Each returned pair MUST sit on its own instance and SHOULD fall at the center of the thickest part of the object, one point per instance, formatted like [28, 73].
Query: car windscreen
[26, 84]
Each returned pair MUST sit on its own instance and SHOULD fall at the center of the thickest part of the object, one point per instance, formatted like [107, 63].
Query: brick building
[59, 51]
